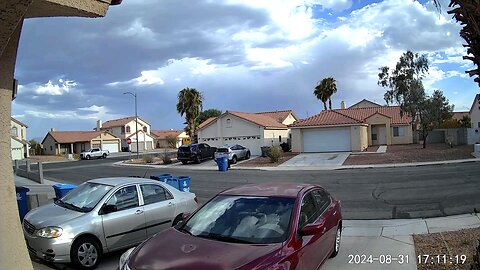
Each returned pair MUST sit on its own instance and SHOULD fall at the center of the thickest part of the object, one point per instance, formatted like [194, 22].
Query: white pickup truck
[94, 153]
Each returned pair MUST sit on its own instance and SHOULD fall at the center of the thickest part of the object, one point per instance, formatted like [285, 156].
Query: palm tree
[467, 12]
[324, 91]
[190, 104]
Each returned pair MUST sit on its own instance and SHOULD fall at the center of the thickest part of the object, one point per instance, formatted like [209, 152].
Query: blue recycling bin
[62, 189]
[22, 201]
[161, 177]
[222, 163]
[184, 183]
[173, 181]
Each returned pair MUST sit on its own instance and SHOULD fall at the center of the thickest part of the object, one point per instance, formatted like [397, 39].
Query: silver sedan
[103, 215]
[234, 153]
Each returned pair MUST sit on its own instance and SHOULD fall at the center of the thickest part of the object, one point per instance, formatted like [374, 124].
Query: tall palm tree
[190, 104]
[324, 91]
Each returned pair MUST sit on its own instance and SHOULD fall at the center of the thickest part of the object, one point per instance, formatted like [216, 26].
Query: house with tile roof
[161, 137]
[125, 128]
[18, 139]
[75, 142]
[252, 130]
[351, 129]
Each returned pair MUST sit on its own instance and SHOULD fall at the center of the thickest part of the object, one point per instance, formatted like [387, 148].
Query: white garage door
[252, 144]
[327, 140]
[111, 147]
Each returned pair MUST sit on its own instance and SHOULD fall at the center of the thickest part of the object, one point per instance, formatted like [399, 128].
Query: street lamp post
[136, 119]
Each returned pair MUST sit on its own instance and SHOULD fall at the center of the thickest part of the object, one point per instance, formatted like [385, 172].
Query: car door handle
[138, 212]
[335, 212]
[170, 204]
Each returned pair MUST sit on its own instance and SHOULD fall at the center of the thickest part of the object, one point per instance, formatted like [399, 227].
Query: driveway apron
[317, 160]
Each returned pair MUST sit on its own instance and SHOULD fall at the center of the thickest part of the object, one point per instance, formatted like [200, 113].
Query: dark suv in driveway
[195, 152]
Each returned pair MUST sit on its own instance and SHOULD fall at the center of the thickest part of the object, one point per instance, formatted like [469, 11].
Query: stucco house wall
[297, 140]
[475, 112]
[359, 137]
[407, 138]
[271, 137]
[49, 147]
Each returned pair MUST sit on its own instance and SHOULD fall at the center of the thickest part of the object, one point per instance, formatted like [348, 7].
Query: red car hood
[174, 250]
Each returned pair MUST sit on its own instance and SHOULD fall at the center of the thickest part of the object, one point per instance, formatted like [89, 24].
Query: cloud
[50, 88]
[244, 55]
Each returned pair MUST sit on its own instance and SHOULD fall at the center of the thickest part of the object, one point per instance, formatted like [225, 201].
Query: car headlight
[49, 232]
[122, 264]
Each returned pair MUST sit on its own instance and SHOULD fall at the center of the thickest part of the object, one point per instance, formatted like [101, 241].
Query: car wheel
[86, 253]
[336, 244]
[88, 157]
[247, 156]
[104, 155]
[198, 160]
[234, 160]
[184, 162]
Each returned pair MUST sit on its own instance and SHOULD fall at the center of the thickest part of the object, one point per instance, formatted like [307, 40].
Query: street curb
[312, 168]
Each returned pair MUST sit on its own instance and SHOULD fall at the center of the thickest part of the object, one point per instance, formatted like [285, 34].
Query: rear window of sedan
[243, 219]
[222, 150]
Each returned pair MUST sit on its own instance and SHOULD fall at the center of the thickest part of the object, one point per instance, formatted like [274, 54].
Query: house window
[229, 123]
[123, 129]
[145, 129]
[374, 137]
[279, 138]
[128, 129]
[398, 131]
[51, 148]
[14, 132]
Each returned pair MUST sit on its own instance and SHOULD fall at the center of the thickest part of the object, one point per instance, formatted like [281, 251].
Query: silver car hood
[51, 215]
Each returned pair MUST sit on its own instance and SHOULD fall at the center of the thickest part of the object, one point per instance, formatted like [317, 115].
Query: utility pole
[136, 120]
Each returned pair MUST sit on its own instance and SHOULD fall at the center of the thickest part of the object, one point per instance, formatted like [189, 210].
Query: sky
[243, 55]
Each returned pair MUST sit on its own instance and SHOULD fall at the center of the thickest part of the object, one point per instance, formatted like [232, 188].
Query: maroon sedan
[274, 226]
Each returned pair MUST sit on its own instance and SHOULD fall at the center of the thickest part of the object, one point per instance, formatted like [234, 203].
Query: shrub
[166, 159]
[148, 159]
[285, 147]
[274, 153]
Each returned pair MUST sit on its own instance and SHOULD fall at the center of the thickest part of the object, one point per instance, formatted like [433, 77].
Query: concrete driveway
[208, 164]
[317, 160]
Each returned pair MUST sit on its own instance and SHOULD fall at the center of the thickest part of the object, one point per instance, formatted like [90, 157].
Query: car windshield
[85, 197]
[241, 219]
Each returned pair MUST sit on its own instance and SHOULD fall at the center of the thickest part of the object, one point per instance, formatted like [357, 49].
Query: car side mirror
[108, 208]
[183, 217]
[313, 229]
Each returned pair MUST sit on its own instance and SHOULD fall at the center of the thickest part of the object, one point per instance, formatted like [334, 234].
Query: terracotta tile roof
[280, 116]
[269, 120]
[120, 122]
[206, 122]
[353, 116]
[73, 136]
[162, 134]
[459, 115]
[326, 118]
[260, 119]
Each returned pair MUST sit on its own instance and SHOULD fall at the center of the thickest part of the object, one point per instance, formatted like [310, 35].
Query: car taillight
[195, 199]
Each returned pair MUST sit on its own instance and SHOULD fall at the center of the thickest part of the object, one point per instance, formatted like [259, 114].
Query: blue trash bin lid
[64, 186]
[21, 189]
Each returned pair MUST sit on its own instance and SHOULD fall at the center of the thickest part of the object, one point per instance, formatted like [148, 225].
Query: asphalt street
[375, 193]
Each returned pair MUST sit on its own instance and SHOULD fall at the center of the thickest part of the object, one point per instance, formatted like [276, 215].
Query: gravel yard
[450, 247]
[411, 153]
